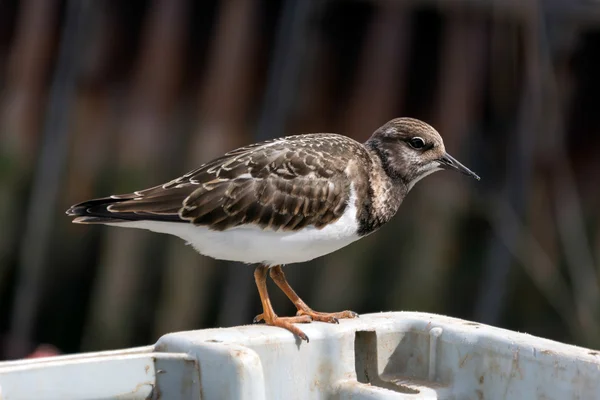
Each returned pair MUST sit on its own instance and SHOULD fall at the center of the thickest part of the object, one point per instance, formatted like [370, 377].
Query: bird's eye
[416, 143]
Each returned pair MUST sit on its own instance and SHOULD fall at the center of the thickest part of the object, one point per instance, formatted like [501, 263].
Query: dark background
[102, 97]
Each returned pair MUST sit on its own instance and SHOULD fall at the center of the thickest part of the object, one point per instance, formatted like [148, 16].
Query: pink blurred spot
[44, 350]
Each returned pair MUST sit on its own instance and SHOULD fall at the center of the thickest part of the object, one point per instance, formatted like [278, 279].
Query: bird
[285, 201]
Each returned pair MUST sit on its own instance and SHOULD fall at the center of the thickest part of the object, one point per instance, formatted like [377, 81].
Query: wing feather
[279, 185]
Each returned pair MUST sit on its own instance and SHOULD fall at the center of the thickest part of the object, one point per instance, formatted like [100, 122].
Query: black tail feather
[96, 212]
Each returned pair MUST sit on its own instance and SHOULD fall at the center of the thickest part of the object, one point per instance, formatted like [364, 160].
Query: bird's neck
[384, 195]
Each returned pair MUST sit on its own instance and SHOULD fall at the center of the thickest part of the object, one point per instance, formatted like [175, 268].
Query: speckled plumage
[282, 184]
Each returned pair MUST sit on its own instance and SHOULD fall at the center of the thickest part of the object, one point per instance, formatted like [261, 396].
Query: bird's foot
[286, 323]
[332, 318]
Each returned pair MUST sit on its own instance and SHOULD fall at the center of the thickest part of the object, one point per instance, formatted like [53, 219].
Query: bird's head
[410, 150]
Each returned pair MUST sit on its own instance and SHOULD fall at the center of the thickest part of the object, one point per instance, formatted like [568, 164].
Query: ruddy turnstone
[285, 201]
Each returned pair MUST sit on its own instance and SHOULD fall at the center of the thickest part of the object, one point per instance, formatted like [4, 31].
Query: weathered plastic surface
[388, 356]
[378, 356]
[137, 373]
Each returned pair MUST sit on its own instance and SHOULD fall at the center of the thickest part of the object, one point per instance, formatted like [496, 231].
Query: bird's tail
[98, 211]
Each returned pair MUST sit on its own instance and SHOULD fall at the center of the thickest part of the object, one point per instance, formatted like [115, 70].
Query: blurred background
[102, 97]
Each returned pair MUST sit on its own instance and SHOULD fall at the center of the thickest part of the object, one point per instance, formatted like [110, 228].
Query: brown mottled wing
[281, 185]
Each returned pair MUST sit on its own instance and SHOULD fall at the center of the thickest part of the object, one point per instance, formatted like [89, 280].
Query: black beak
[449, 162]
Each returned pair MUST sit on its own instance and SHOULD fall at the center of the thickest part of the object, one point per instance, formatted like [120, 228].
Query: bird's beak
[449, 162]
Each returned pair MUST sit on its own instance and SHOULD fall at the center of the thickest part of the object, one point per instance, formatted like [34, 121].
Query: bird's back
[282, 184]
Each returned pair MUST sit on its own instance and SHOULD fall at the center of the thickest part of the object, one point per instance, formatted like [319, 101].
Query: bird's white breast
[251, 244]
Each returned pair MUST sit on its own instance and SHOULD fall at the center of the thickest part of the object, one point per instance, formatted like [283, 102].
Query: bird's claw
[258, 319]
[303, 316]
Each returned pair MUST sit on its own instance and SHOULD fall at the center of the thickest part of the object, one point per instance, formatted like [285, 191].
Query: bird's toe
[258, 318]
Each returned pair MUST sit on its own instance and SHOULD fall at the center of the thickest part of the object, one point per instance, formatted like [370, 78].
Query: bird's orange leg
[279, 279]
[268, 315]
